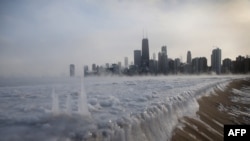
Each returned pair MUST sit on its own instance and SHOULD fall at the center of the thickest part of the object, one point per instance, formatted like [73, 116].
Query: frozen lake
[121, 108]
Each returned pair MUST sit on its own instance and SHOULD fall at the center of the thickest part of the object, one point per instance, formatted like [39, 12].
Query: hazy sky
[41, 38]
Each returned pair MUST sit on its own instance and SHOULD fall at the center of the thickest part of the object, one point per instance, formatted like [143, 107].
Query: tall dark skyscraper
[72, 70]
[145, 54]
[216, 60]
[137, 58]
[189, 57]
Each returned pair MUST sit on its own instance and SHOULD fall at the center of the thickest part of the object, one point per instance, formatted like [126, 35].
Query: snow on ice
[105, 108]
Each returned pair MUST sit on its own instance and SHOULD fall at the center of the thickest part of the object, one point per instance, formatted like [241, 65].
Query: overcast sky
[41, 38]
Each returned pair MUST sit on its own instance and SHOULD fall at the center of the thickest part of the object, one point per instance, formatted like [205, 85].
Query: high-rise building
[226, 65]
[216, 60]
[239, 64]
[195, 65]
[94, 67]
[164, 49]
[137, 58]
[177, 64]
[86, 69]
[152, 66]
[189, 57]
[119, 65]
[126, 62]
[107, 65]
[154, 56]
[203, 64]
[145, 54]
[163, 60]
[170, 66]
[72, 70]
[199, 65]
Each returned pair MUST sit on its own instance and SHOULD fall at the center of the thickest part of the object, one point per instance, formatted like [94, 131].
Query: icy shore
[121, 108]
[229, 106]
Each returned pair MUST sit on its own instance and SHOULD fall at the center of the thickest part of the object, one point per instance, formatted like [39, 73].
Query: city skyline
[171, 66]
[41, 38]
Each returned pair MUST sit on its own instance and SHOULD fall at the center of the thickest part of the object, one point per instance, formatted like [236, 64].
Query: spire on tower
[144, 34]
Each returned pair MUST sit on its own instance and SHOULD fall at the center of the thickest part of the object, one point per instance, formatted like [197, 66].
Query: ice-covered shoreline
[143, 108]
[158, 121]
[227, 106]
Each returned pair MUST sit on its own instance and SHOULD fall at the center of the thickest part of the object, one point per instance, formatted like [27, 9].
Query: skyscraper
[154, 56]
[216, 60]
[189, 57]
[202, 64]
[72, 70]
[227, 65]
[85, 70]
[195, 65]
[137, 58]
[164, 49]
[177, 63]
[199, 65]
[94, 67]
[145, 54]
[163, 60]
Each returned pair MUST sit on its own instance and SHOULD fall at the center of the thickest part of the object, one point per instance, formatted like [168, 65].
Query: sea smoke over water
[83, 107]
[81, 102]
[121, 109]
[55, 103]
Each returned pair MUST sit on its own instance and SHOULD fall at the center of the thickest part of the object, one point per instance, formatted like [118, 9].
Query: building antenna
[143, 33]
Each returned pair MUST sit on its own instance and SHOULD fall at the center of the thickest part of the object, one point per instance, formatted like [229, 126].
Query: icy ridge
[157, 121]
[124, 108]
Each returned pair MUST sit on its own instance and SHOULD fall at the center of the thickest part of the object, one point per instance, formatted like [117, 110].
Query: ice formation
[121, 108]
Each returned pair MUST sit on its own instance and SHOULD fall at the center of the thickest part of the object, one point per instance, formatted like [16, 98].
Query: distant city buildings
[199, 65]
[86, 70]
[137, 58]
[195, 65]
[177, 64]
[241, 65]
[144, 65]
[72, 70]
[94, 68]
[216, 60]
[145, 55]
[154, 56]
[189, 57]
[163, 60]
[226, 65]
